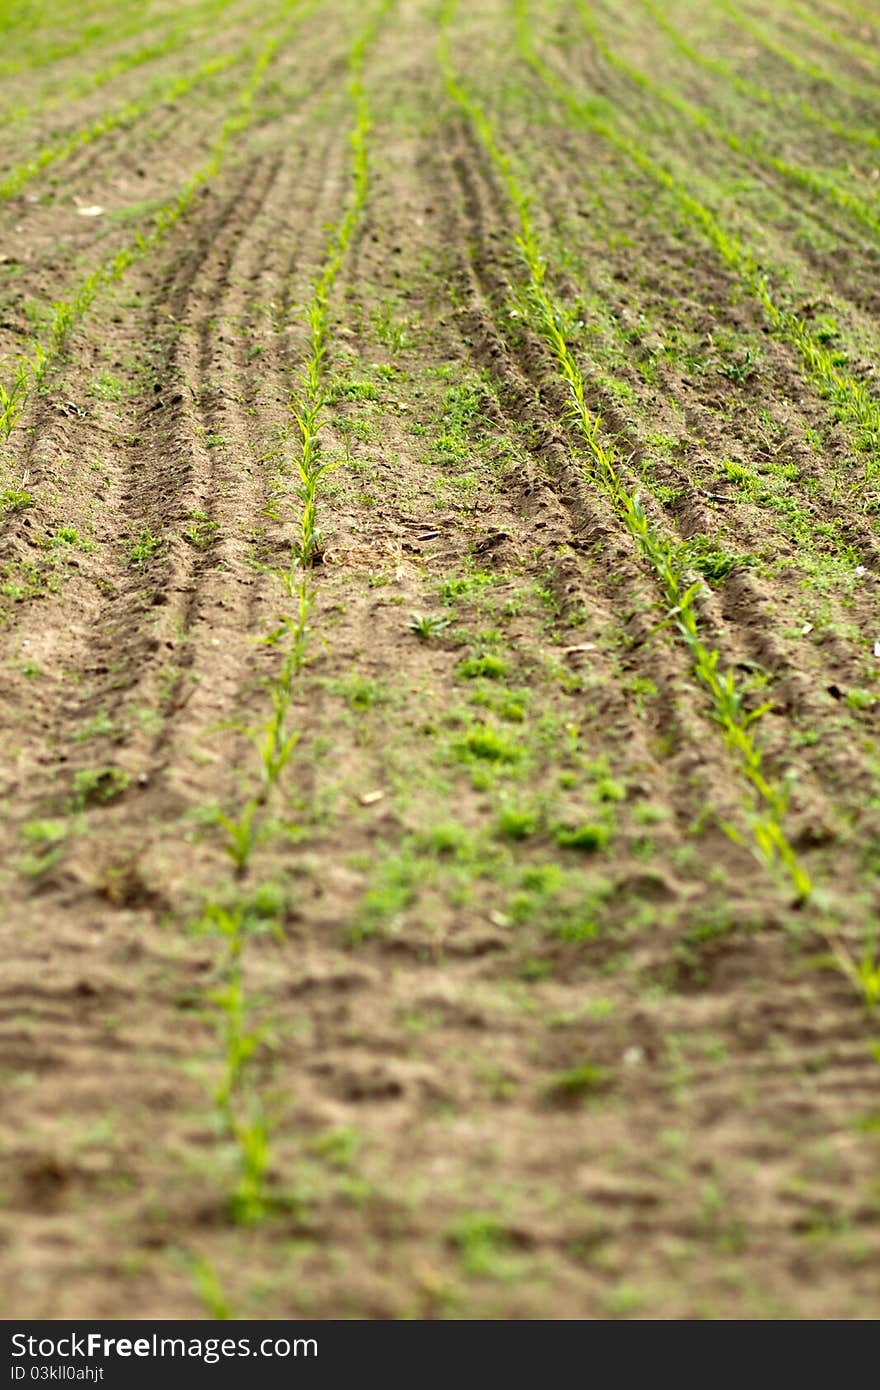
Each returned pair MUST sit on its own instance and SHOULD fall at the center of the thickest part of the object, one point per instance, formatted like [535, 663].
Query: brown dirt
[505, 1077]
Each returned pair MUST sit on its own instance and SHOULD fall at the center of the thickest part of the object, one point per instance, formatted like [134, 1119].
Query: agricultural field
[439, 575]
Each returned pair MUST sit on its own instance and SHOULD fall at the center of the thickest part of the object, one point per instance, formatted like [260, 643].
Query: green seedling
[211, 1290]
[273, 743]
[427, 625]
[515, 824]
[583, 837]
[97, 786]
[242, 834]
[201, 532]
[392, 333]
[108, 387]
[578, 1083]
[740, 370]
[869, 978]
[486, 745]
[487, 667]
[248, 1203]
[860, 699]
[101, 726]
[144, 548]
[15, 499]
[68, 536]
[339, 1147]
[45, 831]
[483, 1244]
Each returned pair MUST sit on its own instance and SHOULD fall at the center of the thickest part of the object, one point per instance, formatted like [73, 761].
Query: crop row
[181, 34]
[817, 184]
[854, 402]
[28, 369]
[239, 1106]
[825, 30]
[765, 96]
[240, 1109]
[794, 60]
[63, 149]
[107, 24]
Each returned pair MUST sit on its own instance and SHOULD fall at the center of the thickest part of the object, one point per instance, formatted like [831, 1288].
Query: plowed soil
[538, 1029]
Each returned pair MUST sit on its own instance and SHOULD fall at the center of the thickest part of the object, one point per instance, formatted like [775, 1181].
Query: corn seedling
[242, 834]
[210, 1289]
[248, 1202]
[239, 1041]
[869, 979]
[227, 923]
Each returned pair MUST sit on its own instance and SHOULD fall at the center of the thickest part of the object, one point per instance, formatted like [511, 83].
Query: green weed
[201, 532]
[584, 837]
[578, 1083]
[15, 499]
[427, 625]
[144, 548]
[485, 744]
[97, 786]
